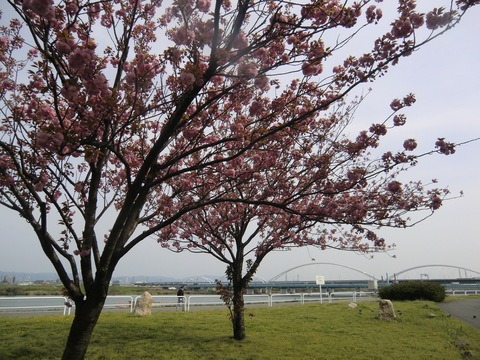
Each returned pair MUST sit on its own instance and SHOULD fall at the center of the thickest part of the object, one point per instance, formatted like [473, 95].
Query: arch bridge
[275, 278]
[436, 265]
[373, 277]
[370, 282]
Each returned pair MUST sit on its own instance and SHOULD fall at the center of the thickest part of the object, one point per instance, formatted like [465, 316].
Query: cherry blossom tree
[309, 186]
[111, 111]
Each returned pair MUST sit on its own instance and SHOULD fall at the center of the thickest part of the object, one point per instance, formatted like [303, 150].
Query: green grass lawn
[314, 331]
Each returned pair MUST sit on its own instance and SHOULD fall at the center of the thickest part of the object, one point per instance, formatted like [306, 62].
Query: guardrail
[47, 303]
[120, 302]
[462, 292]
[269, 300]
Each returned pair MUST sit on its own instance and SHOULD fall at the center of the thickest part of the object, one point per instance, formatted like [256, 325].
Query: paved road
[467, 310]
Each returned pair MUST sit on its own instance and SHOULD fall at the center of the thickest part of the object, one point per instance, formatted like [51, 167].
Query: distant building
[8, 279]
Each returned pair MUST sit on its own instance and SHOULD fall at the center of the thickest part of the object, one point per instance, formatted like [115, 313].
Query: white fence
[39, 303]
[120, 302]
[462, 292]
[184, 303]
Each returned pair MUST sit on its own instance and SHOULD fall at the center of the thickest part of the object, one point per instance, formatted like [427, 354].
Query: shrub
[413, 290]
[11, 291]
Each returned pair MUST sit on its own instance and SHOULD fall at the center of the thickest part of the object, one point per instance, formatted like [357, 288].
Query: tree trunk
[238, 316]
[87, 313]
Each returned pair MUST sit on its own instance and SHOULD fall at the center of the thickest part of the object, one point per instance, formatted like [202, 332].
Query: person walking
[181, 298]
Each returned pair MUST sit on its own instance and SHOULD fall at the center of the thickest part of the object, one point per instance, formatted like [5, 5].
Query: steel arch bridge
[373, 277]
[436, 265]
[322, 263]
[256, 278]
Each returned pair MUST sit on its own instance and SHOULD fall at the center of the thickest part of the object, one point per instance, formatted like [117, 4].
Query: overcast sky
[445, 78]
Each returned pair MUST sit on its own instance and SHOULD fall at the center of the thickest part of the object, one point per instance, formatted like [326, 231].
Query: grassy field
[314, 331]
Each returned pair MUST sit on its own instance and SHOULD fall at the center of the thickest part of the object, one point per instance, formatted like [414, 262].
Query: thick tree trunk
[238, 319]
[87, 313]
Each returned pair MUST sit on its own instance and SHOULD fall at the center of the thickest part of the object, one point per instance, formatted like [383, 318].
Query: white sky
[445, 79]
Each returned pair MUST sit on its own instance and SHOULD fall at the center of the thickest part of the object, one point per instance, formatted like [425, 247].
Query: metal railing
[186, 303]
[286, 298]
[330, 297]
[463, 292]
[268, 300]
[121, 302]
[46, 303]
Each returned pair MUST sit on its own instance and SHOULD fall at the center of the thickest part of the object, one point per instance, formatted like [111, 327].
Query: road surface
[467, 310]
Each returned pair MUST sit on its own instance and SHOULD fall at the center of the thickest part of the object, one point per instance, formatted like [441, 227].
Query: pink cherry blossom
[445, 147]
[399, 120]
[63, 47]
[409, 100]
[248, 70]
[373, 14]
[378, 129]
[309, 69]
[410, 144]
[436, 202]
[262, 83]
[402, 28]
[190, 133]
[203, 5]
[79, 186]
[79, 59]
[241, 41]
[437, 18]
[71, 7]
[417, 20]
[187, 79]
[396, 105]
[43, 8]
[182, 36]
[394, 187]
[255, 108]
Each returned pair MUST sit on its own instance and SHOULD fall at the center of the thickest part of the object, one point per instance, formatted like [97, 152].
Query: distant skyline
[303, 272]
[445, 79]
